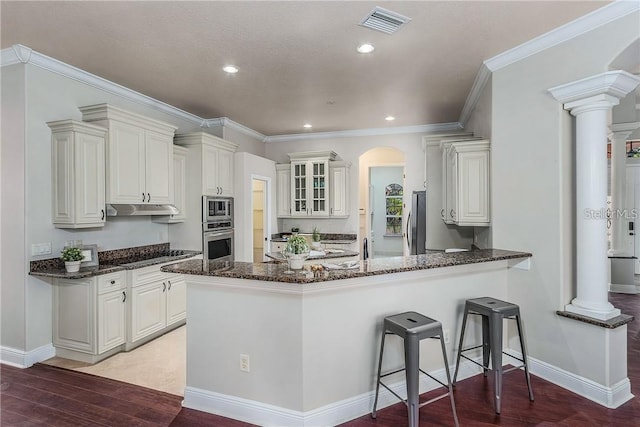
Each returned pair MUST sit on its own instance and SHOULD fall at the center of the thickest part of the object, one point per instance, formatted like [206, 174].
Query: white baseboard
[624, 289]
[335, 413]
[20, 359]
[611, 397]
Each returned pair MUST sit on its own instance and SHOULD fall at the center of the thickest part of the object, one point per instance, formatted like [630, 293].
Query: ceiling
[297, 59]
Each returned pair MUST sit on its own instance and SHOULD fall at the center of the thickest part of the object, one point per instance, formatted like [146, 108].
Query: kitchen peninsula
[309, 342]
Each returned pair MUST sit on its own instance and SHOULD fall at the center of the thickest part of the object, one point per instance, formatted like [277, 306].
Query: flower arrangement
[297, 245]
[71, 254]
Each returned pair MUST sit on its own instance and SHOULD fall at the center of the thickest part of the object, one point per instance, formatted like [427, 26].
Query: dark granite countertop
[277, 272]
[325, 238]
[331, 254]
[112, 261]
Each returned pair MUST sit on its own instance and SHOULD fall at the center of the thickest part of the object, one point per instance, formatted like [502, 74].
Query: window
[393, 200]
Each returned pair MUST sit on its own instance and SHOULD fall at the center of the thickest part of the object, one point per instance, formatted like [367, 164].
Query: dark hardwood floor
[47, 396]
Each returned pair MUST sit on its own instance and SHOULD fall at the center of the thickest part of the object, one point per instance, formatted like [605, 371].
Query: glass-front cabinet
[310, 184]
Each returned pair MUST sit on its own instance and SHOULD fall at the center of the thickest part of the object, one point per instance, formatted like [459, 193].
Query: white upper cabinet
[310, 183]
[179, 187]
[139, 155]
[466, 183]
[283, 190]
[211, 159]
[339, 193]
[78, 174]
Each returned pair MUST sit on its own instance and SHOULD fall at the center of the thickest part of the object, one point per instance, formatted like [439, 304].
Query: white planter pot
[316, 246]
[72, 266]
[296, 262]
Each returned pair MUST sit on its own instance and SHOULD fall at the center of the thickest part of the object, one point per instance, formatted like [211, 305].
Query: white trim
[611, 397]
[624, 289]
[483, 76]
[227, 122]
[581, 25]
[332, 414]
[438, 127]
[20, 359]
[615, 84]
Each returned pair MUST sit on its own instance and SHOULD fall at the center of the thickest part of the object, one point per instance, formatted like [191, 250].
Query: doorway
[258, 213]
[382, 215]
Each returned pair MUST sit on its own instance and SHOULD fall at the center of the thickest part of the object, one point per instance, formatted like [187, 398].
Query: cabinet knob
[113, 282]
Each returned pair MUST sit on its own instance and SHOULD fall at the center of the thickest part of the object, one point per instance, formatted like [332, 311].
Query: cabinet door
[176, 300]
[473, 188]
[179, 183]
[319, 191]
[209, 171]
[89, 180]
[148, 309]
[74, 310]
[159, 168]
[225, 172]
[451, 190]
[126, 169]
[339, 188]
[111, 320]
[63, 179]
[444, 211]
[299, 187]
[283, 191]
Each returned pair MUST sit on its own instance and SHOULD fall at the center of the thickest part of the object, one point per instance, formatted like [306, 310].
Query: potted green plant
[315, 237]
[72, 258]
[296, 251]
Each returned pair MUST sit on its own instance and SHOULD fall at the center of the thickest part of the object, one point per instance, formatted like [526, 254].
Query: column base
[596, 314]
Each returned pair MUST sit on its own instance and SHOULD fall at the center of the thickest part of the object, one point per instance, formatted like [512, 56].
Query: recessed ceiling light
[365, 48]
[231, 69]
[307, 126]
[389, 118]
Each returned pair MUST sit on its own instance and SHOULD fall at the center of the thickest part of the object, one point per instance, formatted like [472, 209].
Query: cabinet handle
[102, 218]
[148, 197]
[143, 197]
[453, 214]
[164, 286]
[124, 296]
[331, 211]
[113, 282]
[442, 213]
[169, 284]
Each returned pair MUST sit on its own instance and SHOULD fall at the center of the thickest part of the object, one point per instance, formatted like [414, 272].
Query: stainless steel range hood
[130, 210]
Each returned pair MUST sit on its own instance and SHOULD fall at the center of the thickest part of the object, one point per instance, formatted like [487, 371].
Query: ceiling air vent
[384, 20]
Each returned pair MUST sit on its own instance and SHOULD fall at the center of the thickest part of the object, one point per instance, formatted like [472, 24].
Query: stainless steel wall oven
[217, 228]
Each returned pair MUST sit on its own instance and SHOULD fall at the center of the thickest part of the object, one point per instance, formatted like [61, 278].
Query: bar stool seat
[493, 312]
[413, 327]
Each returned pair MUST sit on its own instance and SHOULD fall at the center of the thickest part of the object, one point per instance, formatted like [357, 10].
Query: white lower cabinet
[89, 316]
[158, 303]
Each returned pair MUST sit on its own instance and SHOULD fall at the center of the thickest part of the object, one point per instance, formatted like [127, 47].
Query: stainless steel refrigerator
[417, 223]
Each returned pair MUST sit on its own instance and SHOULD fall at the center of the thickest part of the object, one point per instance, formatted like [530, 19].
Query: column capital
[599, 90]
[623, 130]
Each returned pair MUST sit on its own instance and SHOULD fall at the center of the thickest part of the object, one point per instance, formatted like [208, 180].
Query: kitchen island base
[313, 346]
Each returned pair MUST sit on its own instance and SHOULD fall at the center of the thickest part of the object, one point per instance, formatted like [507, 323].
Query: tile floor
[159, 364]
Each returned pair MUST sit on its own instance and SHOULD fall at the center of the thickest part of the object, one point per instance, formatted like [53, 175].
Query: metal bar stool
[493, 312]
[413, 327]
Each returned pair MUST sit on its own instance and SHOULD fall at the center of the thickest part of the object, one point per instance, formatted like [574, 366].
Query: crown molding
[22, 54]
[612, 83]
[581, 25]
[227, 122]
[578, 26]
[483, 76]
[439, 127]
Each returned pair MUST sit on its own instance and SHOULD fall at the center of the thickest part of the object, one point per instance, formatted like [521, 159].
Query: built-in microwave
[216, 209]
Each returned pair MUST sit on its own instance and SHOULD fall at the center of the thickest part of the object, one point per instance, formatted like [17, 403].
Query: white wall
[248, 166]
[533, 196]
[245, 142]
[13, 263]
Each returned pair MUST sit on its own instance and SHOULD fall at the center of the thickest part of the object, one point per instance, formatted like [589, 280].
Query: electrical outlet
[41, 249]
[244, 363]
[446, 336]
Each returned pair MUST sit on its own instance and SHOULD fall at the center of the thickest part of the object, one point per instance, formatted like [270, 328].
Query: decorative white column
[590, 101]
[619, 222]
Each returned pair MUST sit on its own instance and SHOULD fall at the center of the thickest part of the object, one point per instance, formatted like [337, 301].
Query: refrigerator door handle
[407, 233]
